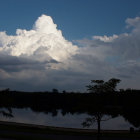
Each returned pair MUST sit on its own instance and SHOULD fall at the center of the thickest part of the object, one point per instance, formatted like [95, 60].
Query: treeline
[85, 101]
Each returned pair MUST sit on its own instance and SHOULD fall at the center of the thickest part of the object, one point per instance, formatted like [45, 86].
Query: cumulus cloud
[43, 42]
[31, 54]
[105, 38]
[133, 22]
[42, 59]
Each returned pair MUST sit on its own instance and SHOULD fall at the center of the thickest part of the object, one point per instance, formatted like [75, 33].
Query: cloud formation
[43, 42]
[42, 59]
[120, 52]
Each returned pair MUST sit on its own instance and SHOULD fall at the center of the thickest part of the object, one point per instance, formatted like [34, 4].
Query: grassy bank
[37, 132]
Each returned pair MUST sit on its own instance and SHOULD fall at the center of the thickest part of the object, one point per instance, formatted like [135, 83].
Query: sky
[63, 44]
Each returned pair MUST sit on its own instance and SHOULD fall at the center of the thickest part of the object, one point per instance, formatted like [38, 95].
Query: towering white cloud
[43, 42]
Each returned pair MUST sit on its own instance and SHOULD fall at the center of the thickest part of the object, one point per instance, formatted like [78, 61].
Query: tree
[54, 90]
[99, 86]
[96, 117]
[7, 113]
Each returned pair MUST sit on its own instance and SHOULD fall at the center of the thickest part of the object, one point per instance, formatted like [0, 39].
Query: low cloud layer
[42, 59]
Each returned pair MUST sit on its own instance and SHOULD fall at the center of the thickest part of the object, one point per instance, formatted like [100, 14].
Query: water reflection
[67, 120]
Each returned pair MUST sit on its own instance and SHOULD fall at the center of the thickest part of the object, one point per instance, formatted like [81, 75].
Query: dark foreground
[18, 131]
[31, 136]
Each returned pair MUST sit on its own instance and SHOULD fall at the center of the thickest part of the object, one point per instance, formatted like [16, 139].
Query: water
[69, 120]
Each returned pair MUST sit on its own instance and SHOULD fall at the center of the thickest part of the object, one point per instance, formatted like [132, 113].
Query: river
[68, 120]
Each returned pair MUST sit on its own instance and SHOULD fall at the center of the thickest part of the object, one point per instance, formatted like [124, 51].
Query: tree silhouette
[96, 117]
[54, 90]
[99, 86]
[7, 113]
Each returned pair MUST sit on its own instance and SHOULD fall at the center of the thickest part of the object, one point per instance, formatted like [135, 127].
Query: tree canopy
[99, 86]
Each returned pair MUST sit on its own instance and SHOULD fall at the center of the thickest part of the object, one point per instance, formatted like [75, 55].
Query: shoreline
[23, 131]
[55, 128]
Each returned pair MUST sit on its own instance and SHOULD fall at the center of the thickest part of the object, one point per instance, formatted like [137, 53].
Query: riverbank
[23, 131]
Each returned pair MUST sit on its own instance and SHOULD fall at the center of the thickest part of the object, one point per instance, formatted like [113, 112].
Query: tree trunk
[99, 128]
